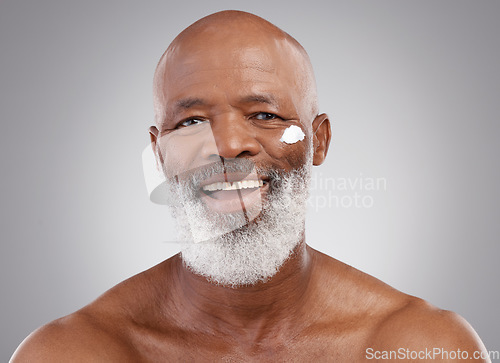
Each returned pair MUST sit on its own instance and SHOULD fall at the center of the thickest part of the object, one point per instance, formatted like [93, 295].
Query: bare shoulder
[393, 321]
[75, 338]
[101, 331]
[421, 328]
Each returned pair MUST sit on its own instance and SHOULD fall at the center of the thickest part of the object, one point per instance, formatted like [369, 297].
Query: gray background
[412, 89]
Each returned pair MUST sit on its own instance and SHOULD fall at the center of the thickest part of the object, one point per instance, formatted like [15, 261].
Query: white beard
[231, 252]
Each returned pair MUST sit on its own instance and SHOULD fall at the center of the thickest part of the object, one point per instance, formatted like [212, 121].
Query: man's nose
[232, 138]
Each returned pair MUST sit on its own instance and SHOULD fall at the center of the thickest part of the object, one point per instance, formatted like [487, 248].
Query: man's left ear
[321, 138]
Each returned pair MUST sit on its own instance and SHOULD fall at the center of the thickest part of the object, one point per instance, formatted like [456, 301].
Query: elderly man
[237, 132]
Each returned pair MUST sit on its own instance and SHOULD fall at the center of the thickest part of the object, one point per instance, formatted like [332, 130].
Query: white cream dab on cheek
[292, 134]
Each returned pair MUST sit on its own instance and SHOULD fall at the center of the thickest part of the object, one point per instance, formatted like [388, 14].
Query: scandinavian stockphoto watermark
[435, 353]
[358, 191]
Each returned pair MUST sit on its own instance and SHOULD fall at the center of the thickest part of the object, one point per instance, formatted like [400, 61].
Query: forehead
[229, 69]
[250, 65]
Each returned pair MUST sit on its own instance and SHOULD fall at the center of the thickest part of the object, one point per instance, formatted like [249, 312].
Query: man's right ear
[153, 135]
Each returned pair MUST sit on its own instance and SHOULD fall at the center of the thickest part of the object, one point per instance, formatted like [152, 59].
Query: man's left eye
[266, 116]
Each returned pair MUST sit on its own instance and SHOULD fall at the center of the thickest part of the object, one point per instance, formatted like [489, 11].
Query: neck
[247, 308]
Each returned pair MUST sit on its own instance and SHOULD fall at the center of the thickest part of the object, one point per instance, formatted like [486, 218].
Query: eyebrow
[187, 103]
[260, 98]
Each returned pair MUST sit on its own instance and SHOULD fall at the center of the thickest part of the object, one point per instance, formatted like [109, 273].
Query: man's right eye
[191, 122]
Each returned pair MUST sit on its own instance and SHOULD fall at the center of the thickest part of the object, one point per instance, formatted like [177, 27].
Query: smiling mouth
[230, 190]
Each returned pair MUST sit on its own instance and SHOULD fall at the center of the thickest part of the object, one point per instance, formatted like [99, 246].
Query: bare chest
[348, 347]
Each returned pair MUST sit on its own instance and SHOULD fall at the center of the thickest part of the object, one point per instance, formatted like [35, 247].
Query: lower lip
[235, 201]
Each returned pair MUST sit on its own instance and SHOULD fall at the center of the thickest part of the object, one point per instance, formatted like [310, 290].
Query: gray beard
[231, 250]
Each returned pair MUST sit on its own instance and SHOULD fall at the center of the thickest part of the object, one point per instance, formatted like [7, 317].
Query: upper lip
[231, 178]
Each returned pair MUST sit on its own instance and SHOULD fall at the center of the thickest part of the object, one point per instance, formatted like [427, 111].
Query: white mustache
[191, 180]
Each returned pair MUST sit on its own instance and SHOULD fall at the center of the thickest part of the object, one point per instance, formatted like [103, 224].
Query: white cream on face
[292, 134]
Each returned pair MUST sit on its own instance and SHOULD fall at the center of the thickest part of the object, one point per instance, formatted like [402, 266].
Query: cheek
[179, 153]
[295, 154]
[287, 147]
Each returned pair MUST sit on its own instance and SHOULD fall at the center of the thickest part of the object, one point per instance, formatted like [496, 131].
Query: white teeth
[243, 184]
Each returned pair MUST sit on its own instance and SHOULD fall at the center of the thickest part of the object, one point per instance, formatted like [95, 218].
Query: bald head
[230, 40]
[232, 25]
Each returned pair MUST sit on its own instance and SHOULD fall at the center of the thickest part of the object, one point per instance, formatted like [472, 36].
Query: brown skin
[315, 307]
